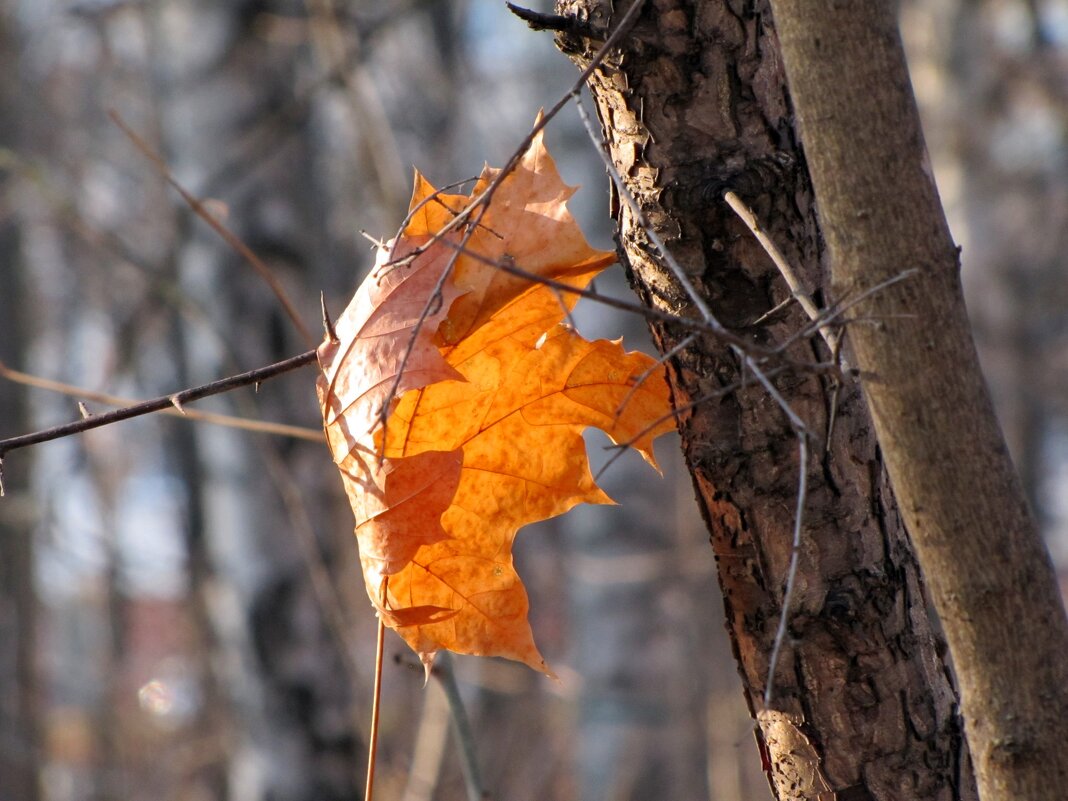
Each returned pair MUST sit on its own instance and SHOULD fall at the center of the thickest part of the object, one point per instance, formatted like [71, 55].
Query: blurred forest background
[181, 612]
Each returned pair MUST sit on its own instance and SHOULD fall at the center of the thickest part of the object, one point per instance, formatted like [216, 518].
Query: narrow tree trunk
[19, 724]
[990, 574]
[695, 103]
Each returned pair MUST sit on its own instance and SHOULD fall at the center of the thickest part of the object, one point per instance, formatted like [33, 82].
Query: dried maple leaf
[359, 371]
[484, 434]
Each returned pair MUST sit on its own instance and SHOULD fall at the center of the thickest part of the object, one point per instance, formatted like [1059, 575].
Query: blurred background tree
[180, 606]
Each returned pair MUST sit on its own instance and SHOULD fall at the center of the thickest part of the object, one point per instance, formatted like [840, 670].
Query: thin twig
[742, 350]
[836, 391]
[770, 312]
[461, 724]
[621, 447]
[791, 573]
[230, 421]
[833, 339]
[569, 320]
[480, 204]
[640, 218]
[797, 289]
[648, 312]
[428, 751]
[176, 400]
[680, 346]
[841, 308]
[484, 198]
[231, 238]
[379, 273]
[432, 304]
[372, 746]
[821, 321]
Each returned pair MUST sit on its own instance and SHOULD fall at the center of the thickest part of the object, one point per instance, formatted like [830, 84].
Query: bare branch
[230, 421]
[231, 238]
[797, 289]
[648, 312]
[443, 671]
[175, 400]
[840, 309]
[660, 362]
[791, 572]
[722, 392]
[639, 216]
[480, 204]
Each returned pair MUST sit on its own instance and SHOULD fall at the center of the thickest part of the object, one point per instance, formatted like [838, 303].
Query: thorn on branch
[84, 411]
[374, 240]
[328, 324]
[156, 404]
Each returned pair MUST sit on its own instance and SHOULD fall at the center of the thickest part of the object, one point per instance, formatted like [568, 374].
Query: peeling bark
[695, 103]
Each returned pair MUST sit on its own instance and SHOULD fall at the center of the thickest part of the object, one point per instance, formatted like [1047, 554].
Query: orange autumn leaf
[484, 434]
[359, 371]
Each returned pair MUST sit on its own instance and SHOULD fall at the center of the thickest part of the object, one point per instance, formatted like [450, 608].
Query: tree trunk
[992, 581]
[19, 709]
[19, 723]
[693, 103]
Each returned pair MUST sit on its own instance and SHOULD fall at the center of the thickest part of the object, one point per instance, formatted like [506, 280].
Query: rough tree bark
[990, 575]
[692, 104]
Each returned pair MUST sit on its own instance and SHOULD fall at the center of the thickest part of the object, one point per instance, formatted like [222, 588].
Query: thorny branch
[480, 204]
[228, 420]
[176, 400]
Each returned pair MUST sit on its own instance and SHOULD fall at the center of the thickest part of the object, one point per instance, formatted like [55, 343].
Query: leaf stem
[372, 746]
